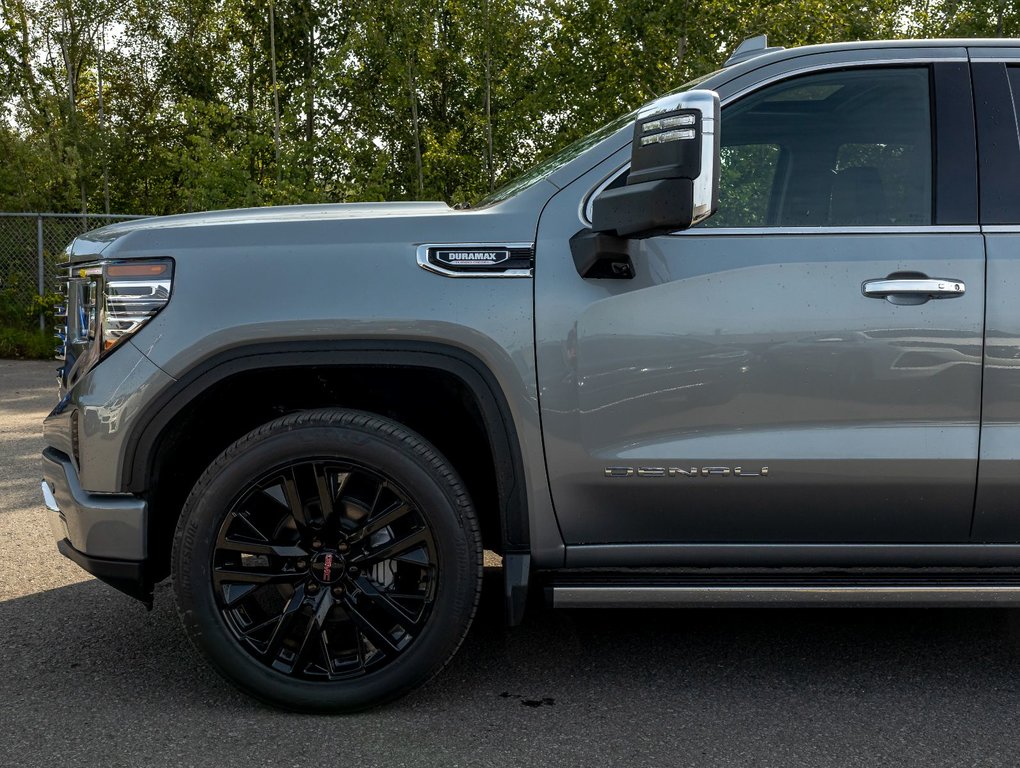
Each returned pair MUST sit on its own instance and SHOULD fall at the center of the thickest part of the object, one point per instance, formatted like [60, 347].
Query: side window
[746, 177]
[844, 148]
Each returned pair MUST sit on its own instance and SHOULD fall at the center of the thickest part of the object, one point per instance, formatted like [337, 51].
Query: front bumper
[103, 533]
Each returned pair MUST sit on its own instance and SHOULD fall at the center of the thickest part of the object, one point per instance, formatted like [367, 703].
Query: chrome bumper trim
[48, 498]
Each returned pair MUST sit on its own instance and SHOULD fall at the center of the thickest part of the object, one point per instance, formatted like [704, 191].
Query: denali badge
[685, 472]
[473, 257]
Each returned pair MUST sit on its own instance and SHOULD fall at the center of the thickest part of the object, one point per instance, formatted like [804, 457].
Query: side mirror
[674, 170]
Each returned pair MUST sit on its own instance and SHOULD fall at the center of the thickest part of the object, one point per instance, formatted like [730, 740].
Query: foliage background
[436, 99]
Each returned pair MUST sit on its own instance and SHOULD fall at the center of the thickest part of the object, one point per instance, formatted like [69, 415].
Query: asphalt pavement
[89, 678]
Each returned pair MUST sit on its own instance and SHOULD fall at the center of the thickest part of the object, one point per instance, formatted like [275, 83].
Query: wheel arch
[144, 444]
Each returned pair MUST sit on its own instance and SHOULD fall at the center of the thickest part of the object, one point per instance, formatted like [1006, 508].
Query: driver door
[742, 388]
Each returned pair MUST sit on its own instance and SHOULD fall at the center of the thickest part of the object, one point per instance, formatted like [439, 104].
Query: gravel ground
[89, 678]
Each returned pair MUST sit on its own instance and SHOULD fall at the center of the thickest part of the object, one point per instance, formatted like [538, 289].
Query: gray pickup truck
[755, 343]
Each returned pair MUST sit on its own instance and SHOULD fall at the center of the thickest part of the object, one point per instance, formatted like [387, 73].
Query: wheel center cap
[328, 567]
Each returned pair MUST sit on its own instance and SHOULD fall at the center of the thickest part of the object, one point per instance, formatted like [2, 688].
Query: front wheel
[328, 561]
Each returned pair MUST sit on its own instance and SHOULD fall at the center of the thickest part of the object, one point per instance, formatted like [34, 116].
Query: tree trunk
[30, 91]
[276, 90]
[67, 39]
[102, 123]
[251, 120]
[414, 123]
[488, 98]
[310, 98]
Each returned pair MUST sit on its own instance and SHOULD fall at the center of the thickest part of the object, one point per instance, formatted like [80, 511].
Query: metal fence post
[42, 268]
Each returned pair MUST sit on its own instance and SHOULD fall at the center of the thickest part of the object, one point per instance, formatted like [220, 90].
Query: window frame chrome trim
[422, 257]
[942, 229]
[584, 211]
[979, 54]
[585, 208]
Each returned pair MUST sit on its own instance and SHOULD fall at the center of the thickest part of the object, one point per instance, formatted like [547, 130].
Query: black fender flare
[142, 442]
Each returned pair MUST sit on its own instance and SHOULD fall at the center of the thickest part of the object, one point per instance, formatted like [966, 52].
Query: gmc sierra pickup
[755, 343]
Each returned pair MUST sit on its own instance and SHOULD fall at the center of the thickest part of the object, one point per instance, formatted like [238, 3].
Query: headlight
[110, 301]
[132, 295]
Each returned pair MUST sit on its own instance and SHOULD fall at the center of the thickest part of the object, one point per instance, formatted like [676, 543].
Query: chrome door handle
[918, 287]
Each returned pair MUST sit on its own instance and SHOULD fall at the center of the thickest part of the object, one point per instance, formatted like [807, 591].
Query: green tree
[438, 99]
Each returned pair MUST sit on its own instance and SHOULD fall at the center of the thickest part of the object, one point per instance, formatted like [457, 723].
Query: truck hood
[92, 244]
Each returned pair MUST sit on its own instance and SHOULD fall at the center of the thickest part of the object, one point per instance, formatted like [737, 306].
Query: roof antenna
[752, 47]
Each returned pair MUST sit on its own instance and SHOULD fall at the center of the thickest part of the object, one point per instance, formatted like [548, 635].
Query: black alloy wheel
[328, 561]
[324, 570]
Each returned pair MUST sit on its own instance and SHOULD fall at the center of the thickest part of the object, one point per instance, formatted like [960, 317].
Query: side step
[758, 595]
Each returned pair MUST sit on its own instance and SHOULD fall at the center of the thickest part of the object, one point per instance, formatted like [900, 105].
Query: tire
[328, 561]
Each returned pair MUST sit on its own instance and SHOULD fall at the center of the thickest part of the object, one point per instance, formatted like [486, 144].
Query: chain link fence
[31, 245]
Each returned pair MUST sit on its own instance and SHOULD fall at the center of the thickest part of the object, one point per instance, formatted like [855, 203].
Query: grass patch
[26, 345]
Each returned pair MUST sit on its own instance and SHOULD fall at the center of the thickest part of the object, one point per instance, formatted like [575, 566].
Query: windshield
[558, 159]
